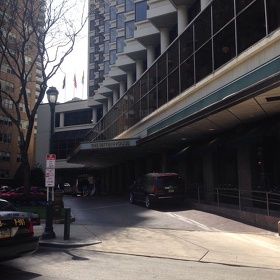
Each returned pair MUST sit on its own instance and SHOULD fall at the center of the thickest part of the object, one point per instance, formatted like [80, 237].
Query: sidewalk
[243, 249]
[79, 236]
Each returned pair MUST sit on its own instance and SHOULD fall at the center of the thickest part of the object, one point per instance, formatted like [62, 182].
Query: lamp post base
[49, 233]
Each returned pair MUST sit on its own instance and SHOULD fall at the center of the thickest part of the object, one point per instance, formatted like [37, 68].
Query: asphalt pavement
[260, 249]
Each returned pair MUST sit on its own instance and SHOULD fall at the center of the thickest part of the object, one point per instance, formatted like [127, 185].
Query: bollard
[67, 223]
[279, 228]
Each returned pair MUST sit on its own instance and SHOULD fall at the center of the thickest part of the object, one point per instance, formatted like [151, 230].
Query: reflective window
[141, 10]
[106, 27]
[173, 57]
[161, 68]
[187, 74]
[242, 4]
[113, 12]
[162, 93]
[106, 7]
[91, 74]
[273, 8]
[152, 100]
[91, 41]
[91, 25]
[173, 85]
[113, 56]
[113, 35]
[222, 13]
[106, 67]
[129, 5]
[120, 2]
[91, 58]
[129, 29]
[120, 20]
[203, 62]
[186, 44]
[250, 26]
[106, 46]
[120, 44]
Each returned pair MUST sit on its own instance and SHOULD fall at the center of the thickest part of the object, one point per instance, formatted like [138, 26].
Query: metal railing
[243, 200]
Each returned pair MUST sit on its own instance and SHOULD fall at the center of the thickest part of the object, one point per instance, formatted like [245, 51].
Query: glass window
[141, 10]
[106, 67]
[202, 28]
[240, 5]
[106, 27]
[152, 76]
[173, 57]
[113, 56]
[120, 20]
[161, 67]
[250, 26]
[101, 20]
[173, 85]
[91, 25]
[113, 35]
[91, 41]
[91, 58]
[187, 74]
[203, 62]
[106, 7]
[113, 12]
[120, 44]
[224, 45]
[273, 12]
[152, 100]
[162, 93]
[120, 2]
[145, 106]
[222, 13]
[129, 5]
[186, 44]
[91, 74]
[91, 91]
[144, 84]
[129, 29]
[106, 46]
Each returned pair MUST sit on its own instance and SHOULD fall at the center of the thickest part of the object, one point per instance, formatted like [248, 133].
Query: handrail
[244, 199]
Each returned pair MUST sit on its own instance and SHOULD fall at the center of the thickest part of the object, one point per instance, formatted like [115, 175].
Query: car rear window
[6, 206]
[169, 180]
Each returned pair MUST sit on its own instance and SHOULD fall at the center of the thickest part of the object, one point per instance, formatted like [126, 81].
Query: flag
[83, 77]
[64, 80]
[75, 82]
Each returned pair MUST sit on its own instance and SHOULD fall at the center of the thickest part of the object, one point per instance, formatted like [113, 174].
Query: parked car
[16, 233]
[65, 188]
[155, 187]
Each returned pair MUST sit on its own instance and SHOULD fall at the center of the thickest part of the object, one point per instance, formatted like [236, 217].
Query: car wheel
[131, 198]
[148, 202]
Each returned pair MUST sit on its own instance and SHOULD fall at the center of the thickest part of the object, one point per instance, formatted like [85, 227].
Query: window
[106, 27]
[5, 120]
[129, 5]
[106, 47]
[141, 10]
[91, 74]
[5, 156]
[91, 91]
[7, 103]
[120, 44]
[18, 157]
[106, 67]
[91, 25]
[113, 57]
[91, 58]
[91, 41]
[78, 117]
[5, 138]
[113, 35]
[120, 20]
[113, 12]
[129, 29]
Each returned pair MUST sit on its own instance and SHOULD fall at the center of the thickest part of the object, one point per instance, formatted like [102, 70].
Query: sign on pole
[50, 170]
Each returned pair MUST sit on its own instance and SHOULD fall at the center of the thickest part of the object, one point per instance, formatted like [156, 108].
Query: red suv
[155, 187]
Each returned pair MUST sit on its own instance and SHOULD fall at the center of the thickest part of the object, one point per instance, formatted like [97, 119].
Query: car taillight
[154, 189]
[30, 228]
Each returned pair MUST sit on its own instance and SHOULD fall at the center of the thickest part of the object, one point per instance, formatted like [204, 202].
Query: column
[105, 108]
[150, 56]
[182, 18]
[61, 119]
[94, 115]
[122, 88]
[130, 79]
[115, 96]
[139, 69]
[109, 102]
[208, 177]
[164, 39]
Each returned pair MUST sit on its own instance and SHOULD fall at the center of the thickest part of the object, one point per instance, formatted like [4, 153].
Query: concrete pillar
[130, 79]
[204, 3]
[182, 18]
[139, 69]
[208, 177]
[94, 115]
[105, 108]
[114, 187]
[61, 119]
[109, 102]
[150, 56]
[122, 88]
[115, 96]
[164, 39]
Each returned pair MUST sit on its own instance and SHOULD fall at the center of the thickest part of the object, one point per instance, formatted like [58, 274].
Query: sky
[75, 64]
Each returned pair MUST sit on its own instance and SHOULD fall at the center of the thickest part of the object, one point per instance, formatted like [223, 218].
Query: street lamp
[52, 94]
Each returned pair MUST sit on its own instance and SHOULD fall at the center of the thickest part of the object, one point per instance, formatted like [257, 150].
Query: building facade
[184, 86]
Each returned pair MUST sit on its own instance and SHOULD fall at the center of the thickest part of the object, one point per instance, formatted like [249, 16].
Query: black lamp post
[52, 94]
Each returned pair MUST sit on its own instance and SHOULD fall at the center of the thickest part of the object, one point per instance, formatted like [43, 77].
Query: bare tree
[35, 38]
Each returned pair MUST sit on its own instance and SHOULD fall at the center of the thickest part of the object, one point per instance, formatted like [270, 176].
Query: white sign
[50, 178]
[50, 161]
